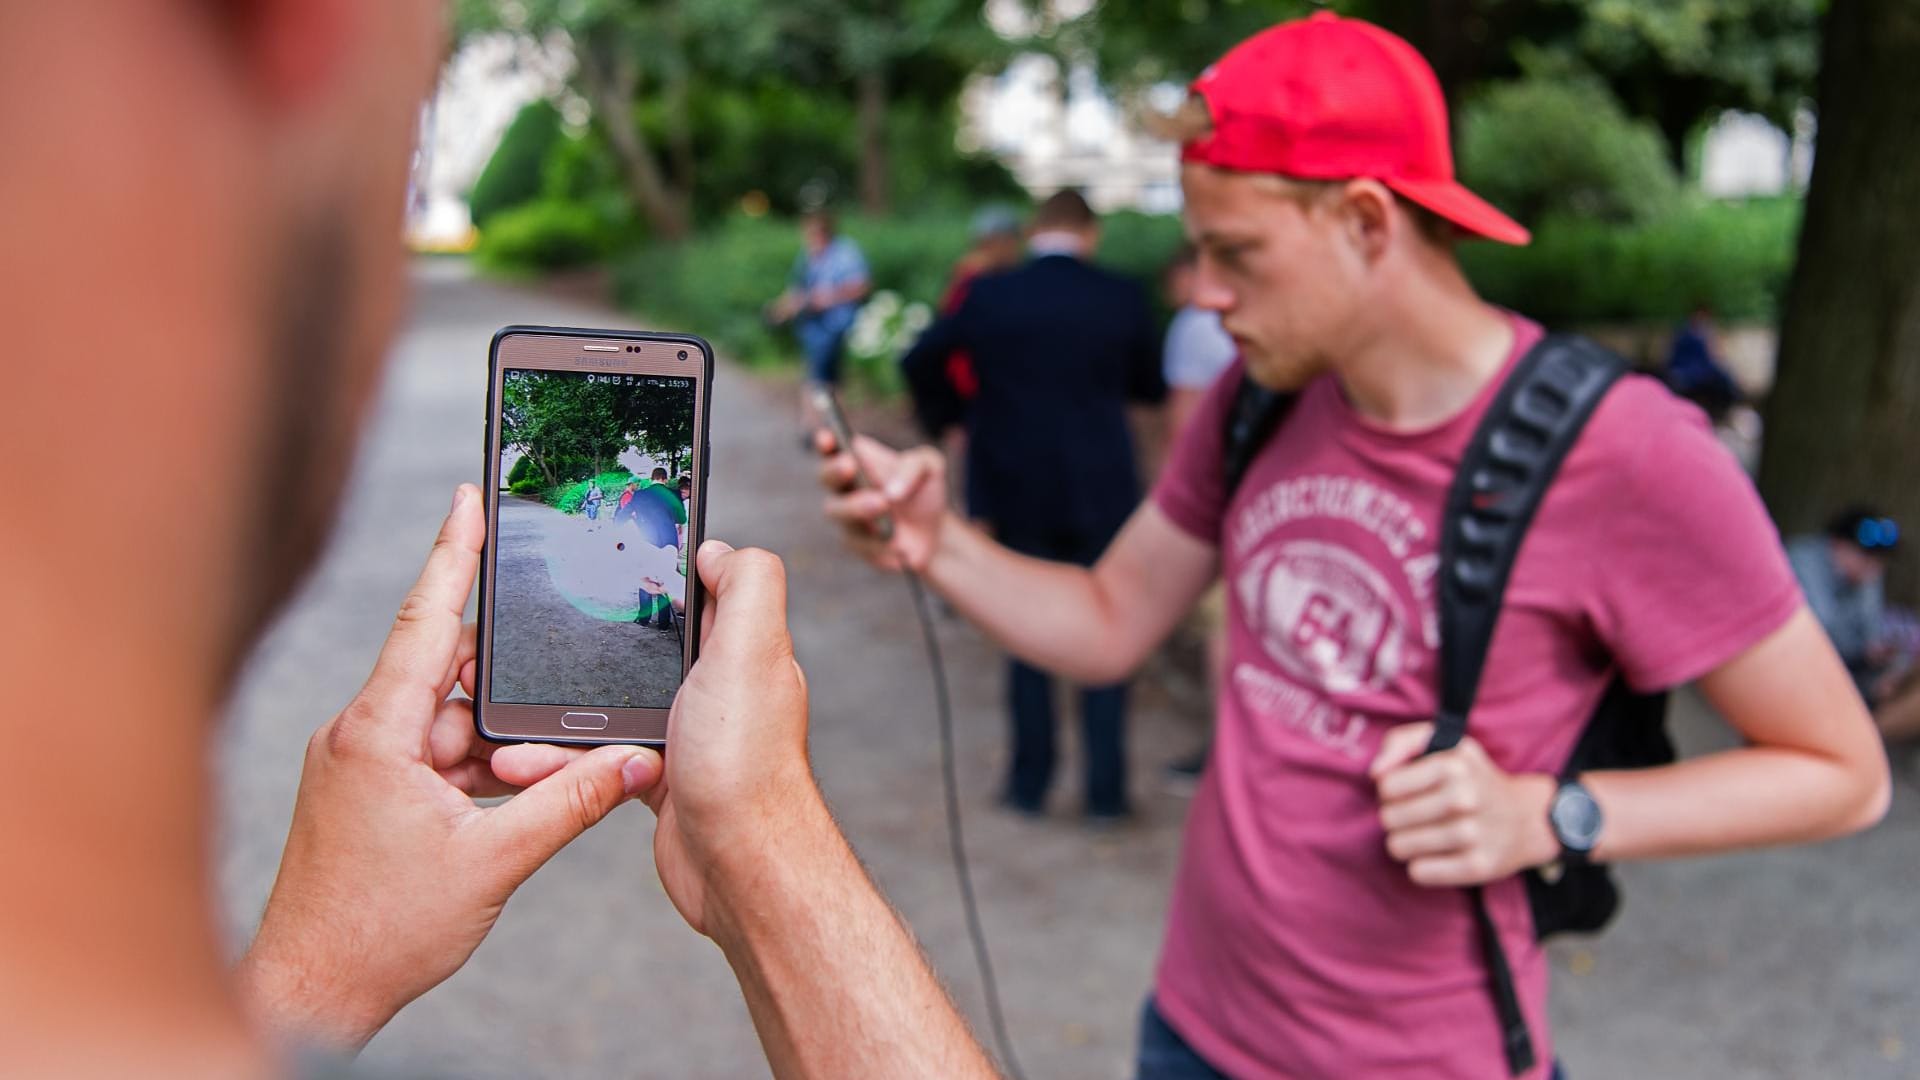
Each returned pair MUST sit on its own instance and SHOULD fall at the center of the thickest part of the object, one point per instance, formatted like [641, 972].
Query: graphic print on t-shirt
[1328, 618]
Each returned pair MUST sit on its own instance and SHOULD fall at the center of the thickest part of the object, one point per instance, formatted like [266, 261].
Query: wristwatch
[1576, 821]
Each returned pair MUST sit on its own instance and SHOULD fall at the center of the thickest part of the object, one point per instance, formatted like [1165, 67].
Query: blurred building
[482, 87]
[1058, 128]
[1744, 155]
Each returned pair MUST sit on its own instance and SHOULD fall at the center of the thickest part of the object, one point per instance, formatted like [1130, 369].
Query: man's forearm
[834, 981]
[303, 1007]
[1813, 767]
[1054, 615]
[1744, 798]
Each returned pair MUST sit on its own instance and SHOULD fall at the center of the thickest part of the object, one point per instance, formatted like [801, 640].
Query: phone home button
[584, 721]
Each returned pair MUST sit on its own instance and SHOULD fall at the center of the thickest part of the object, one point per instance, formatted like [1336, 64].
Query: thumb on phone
[534, 825]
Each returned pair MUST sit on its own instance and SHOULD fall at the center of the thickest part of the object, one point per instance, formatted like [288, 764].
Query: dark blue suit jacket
[1060, 348]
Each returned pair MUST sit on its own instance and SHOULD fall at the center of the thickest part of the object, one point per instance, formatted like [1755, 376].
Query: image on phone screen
[590, 572]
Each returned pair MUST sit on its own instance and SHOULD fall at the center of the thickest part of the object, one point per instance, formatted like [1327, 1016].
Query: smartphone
[596, 467]
[827, 404]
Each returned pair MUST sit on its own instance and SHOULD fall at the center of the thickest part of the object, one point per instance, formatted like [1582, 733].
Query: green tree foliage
[1675, 63]
[873, 54]
[546, 234]
[568, 427]
[512, 177]
[1540, 147]
[624, 49]
[572, 428]
[648, 68]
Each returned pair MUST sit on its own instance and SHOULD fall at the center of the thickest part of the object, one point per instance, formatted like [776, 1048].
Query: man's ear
[289, 49]
[1366, 215]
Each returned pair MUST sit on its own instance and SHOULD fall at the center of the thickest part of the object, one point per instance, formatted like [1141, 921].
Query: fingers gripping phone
[596, 466]
[827, 404]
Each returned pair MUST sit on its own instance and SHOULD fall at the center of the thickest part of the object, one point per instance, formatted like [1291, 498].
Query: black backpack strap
[1533, 422]
[1256, 414]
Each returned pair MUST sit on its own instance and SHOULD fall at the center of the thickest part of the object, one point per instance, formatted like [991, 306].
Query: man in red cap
[1317, 927]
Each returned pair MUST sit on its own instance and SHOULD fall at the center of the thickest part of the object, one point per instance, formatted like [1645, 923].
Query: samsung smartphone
[596, 500]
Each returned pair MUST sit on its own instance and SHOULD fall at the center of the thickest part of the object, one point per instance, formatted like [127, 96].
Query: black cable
[956, 838]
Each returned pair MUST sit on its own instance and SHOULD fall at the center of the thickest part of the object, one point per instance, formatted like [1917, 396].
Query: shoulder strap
[1533, 422]
[1254, 417]
[1526, 433]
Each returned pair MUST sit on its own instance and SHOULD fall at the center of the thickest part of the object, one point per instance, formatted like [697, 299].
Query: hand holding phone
[392, 875]
[827, 404]
[892, 503]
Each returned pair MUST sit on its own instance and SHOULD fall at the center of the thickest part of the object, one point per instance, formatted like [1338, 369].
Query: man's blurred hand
[912, 491]
[392, 875]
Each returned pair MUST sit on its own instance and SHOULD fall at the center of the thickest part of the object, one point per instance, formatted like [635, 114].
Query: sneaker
[1020, 807]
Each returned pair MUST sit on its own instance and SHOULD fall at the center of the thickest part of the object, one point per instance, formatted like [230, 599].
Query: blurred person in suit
[1059, 350]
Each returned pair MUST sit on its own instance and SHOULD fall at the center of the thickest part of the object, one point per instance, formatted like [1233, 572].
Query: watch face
[1576, 817]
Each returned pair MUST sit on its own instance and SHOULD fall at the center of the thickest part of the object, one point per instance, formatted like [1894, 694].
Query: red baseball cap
[1327, 98]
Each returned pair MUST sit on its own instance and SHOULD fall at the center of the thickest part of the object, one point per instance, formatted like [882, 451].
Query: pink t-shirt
[1296, 947]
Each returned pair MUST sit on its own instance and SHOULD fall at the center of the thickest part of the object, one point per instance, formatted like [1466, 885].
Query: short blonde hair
[1193, 121]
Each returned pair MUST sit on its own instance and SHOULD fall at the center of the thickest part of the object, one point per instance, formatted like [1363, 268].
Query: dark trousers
[1164, 1055]
[1030, 702]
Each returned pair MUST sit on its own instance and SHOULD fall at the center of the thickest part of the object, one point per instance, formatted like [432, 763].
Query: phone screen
[589, 596]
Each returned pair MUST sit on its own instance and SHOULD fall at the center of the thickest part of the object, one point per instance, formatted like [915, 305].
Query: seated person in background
[1694, 372]
[1843, 573]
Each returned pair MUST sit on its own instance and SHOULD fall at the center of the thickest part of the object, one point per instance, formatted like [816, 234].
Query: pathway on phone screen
[549, 650]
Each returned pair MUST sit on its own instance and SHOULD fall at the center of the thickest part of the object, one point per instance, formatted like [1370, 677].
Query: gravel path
[547, 651]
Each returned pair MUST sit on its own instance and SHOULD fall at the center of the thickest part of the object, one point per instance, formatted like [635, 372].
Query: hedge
[1734, 256]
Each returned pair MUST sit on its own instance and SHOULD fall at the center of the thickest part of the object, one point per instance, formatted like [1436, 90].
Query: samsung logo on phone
[601, 362]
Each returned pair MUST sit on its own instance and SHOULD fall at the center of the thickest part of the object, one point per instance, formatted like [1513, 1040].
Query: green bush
[530, 486]
[1541, 148]
[1735, 257]
[572, 498]
[513, 175]
[717, 283]
[523, 469]
[580, 168]
[1139, 246]
[544, 235]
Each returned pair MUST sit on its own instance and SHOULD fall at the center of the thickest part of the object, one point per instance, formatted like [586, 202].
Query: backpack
[1532, 423]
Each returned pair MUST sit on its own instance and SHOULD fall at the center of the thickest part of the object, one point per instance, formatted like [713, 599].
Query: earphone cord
[956, 838]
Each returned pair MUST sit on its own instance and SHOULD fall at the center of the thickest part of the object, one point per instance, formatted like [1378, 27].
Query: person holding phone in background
[828, 284]
[1317, 928]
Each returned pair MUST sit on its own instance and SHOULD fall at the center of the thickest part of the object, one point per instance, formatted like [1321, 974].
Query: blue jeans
[1164, 1055]
[823, 339]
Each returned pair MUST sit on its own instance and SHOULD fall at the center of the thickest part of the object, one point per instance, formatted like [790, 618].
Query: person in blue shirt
[824, 293]
[1843, 573]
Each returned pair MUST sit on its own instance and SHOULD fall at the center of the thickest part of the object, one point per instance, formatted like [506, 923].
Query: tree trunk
[875, 198]
[1843, 424]
[680, 138]
[610, 84]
